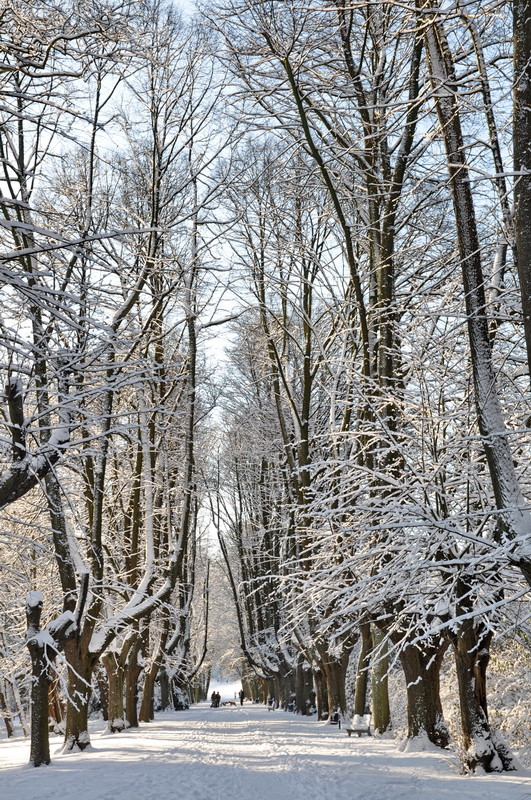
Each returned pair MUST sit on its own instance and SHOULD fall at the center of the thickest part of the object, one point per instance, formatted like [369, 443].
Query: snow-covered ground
[244, 753]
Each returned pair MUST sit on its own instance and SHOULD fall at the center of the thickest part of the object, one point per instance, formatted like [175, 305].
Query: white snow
[61, 623]
[33, 599]
[239, 753]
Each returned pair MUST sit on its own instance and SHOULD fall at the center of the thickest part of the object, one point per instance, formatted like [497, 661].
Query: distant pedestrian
[218, 700]
[241, 696]
[213, 699]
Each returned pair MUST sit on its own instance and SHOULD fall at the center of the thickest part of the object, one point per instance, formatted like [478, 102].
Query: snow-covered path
[245, 754]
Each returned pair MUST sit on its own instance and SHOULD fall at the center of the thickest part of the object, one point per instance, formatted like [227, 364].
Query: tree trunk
[115, 678]
[422, 665]
[480, 747]
[335, 672]
[321, 696]
[19, 706]
[132, 674]
[6, 715]
[40, 741]
[264, 687]
[278, 692]
[80, 668]
[303, 686]
[522, 158]
[165, 695]
[362, 672]
[55, 708]
[146, 713]
[103, 689]
[381, 714]
[285, 685]
[471, 647]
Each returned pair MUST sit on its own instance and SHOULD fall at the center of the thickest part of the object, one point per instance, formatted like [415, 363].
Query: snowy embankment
[240, 753]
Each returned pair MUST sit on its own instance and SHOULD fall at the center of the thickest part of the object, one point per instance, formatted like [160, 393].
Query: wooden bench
[361, 723]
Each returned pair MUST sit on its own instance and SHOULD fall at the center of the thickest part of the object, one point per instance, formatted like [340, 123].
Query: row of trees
[341, 173]
[106, 174]
[376, 464]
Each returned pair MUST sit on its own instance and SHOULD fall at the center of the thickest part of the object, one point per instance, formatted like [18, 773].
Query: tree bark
[471, 645]
[146, 713]
[303, 686]
[381, 713]
[55, 707]
[40, 679]
[80, 667]
[522, 158]
[115, 679]
[103, 688]
[132, 675]
[422, 665]
[6, 715]
[321, 696]
[165, 695]
[362, 671]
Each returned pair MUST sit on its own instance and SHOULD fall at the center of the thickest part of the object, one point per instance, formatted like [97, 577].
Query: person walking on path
[242, 696]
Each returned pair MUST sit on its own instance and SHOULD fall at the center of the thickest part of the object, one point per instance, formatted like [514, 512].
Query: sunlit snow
[244, 753]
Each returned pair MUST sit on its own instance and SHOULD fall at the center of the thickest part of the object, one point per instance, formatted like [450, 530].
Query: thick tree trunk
[481, 748]
[80, 668]
[40, 742]
[422, 665]
[181, 699]
[146, 713]
[147, 710]
[335, 673]
[165, 694]
[271, 699]
[285, 686]
[254, 687]
[115, 680]
[40, 680]
[264, 690]
[362, 671]
[280, 700]
[381, 714]
[132, 675]
[471, 646]
[303, 686]
[103, 688]
[321, 696]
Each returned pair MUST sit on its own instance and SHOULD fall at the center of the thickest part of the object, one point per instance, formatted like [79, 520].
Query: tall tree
[522, 157]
